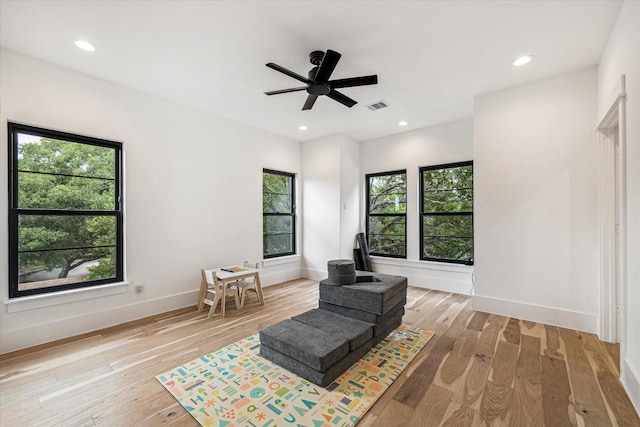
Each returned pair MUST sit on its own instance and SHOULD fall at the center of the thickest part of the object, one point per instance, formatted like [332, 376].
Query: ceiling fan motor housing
[316, 57]
[318, 89]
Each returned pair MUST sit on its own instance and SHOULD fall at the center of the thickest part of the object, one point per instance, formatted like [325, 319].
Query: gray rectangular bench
[320, 344]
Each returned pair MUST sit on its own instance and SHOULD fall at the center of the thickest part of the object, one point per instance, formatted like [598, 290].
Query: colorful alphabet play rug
[234, 386]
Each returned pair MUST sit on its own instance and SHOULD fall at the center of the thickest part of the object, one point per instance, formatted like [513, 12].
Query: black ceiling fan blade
[293, 89]
[354, 81]
[341, 98]
[288, 72]
[329, 62]
[311, 99]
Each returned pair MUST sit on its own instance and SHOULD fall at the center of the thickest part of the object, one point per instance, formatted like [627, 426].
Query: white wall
[535, 201]
[193, 195]
[622, 56]
[330, 204]
[447, 143]
[349, 196]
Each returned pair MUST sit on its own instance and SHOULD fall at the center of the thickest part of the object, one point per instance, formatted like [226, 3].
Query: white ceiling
[431, 57]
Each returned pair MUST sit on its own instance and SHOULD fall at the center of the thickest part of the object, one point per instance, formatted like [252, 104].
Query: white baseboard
[278, 270]
[268, 278]
[536, 313]
[41, 333]
[33, 335]
[631, 382]
[439, 276]
[314, 274]
[441, 284]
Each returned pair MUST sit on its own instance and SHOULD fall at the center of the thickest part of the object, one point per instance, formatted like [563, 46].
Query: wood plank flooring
[479, 369]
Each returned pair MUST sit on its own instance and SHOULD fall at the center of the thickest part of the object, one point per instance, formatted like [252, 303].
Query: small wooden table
[225, 275]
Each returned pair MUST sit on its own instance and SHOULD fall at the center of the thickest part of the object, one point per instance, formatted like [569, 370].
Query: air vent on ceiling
[377, 105]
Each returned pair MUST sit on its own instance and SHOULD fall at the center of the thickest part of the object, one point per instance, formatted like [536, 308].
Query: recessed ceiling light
[403, 123]
[84, 45]
[518, 62]
[303, 127]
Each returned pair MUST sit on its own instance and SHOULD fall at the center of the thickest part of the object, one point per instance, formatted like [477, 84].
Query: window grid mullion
[66, 175]
[64, 249]
[65, 212]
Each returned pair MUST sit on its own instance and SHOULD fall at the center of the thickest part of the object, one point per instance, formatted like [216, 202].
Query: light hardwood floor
[479, 369]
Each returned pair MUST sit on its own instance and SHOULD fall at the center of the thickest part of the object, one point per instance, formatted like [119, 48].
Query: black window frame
[15, 211]
[291, 214]
[424, 214]
[370, 214]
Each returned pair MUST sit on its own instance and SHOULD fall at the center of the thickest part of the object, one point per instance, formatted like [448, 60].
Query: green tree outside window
[447, 213]
[387, 213]
[65, 215]
[278, 214]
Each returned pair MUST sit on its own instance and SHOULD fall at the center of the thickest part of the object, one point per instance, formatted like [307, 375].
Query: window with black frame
[446, 225]
[65, 211]
[278, 214]
[387, 213]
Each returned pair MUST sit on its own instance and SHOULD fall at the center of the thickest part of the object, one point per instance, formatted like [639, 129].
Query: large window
[278, 214]
[446, 224]
[65, 211]
[387, 213]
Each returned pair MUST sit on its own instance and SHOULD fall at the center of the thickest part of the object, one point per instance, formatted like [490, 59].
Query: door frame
[611, 217]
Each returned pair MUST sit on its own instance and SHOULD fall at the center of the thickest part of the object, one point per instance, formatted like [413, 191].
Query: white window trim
[288, 259]
[33, 302]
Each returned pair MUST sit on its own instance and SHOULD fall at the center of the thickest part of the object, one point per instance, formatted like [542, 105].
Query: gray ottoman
[312, 347]
[365, 316]
[376, 297]
[354, 314]
[341, 272]
[354, 331]
[318, 345]
[323, 379]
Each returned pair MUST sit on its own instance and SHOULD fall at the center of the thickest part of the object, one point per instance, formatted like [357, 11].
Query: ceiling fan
[318, 83]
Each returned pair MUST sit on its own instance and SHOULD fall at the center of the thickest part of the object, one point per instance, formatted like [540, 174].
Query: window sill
[32, 302]
[281, 260]
[429, 265]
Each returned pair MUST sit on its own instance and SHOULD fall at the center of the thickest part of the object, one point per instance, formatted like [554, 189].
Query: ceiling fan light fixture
[85, 45]
[522, 60]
